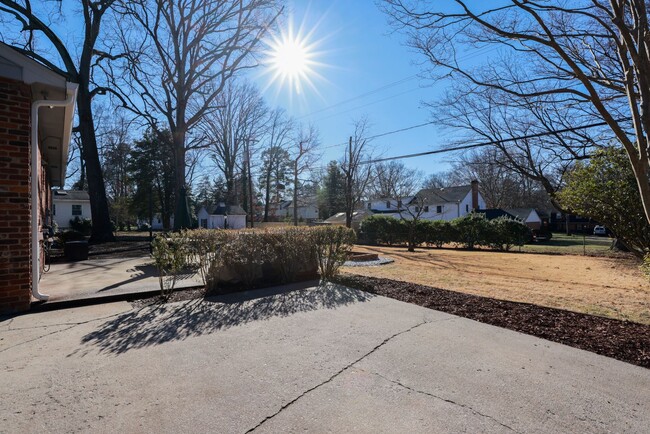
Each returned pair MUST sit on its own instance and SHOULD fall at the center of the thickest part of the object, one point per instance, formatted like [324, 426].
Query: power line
[491, 142]
[412, 127]
[333, 115]
[387, 133]
[363, 95]
[479, 52]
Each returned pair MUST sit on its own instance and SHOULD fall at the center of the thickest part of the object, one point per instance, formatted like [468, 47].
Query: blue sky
[367, 72]
[367, 62]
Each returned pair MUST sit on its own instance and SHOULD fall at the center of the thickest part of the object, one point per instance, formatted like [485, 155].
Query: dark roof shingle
[444, 195]
[70, 195]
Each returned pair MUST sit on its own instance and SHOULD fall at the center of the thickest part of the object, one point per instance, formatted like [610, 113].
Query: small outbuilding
[222, 217]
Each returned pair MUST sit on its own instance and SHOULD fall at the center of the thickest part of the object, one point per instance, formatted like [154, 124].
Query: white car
[600, 231]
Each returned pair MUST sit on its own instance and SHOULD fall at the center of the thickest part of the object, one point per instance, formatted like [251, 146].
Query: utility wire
[363, 95]
[479, 52]
[491, 142]
[333, 115]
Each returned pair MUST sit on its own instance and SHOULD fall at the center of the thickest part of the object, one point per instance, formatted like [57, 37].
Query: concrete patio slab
[324, 359]
[100, 278]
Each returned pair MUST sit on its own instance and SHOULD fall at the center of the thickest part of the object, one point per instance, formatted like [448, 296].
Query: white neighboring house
[437, 203]
[157, 223]
[388, 205]
[222, 217]
[68, 204]
[527, 215]
[307, 209]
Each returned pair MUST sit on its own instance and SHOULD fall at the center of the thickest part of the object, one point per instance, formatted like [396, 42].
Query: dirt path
[601, 286]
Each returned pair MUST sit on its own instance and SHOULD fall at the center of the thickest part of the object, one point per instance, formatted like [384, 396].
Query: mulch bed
[622, 340]
[178, 295]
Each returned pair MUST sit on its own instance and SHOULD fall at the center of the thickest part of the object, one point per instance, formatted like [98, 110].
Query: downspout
[69, 101]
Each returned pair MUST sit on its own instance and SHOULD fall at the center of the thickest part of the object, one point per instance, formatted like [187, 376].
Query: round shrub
[506, 232]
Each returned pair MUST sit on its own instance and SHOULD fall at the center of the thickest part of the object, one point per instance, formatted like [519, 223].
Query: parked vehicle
[601, 231]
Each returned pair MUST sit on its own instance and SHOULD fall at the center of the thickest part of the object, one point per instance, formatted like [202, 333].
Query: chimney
[475, 194]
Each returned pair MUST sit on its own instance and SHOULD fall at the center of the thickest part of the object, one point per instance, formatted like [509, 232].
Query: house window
[53, 209]
[388, 204]
[417, 209]
[466, 208]
[399, 204]
[369, 205]
[204, 223]
[76, 210]
[426, 208]
[439, 209]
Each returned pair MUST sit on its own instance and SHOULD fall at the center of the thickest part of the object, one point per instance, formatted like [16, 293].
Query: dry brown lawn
[608, 287]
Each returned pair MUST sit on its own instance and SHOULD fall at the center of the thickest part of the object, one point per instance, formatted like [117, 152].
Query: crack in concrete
[36, 338]
[336, 374]
[450, 401]
[65, 323]
[71, 324]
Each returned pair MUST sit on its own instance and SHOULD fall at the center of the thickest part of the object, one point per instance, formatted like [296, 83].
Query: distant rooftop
[70, 195]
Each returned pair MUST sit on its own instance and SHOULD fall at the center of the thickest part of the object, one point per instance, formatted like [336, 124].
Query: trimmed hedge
[470, 231]
[252, 256]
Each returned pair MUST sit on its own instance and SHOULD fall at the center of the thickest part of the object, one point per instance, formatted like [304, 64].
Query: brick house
[36, 112]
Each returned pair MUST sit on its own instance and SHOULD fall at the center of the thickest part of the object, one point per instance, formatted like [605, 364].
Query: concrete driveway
[326, 359]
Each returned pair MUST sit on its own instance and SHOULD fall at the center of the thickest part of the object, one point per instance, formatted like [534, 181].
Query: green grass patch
[571, 245]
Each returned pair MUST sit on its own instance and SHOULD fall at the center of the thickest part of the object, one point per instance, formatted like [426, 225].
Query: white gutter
[71, 92]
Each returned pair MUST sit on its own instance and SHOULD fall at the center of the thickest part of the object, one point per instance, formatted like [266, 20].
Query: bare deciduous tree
[357, 174]
[589, 57]
[304, 155]
[240, 120]
[410, 204]
[489, 115]
[180, 54]
[391, 177]
[276, 163]
[501, 186]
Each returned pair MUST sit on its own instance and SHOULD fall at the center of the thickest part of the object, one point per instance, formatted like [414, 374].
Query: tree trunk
[411, 241]
[101, 229]
[179, 166]
[349, 179]
[267, 194]
[295, 193]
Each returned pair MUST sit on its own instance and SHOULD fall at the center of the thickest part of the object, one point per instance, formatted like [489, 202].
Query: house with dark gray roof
[222, 216]
[432, 203]
[448, 203]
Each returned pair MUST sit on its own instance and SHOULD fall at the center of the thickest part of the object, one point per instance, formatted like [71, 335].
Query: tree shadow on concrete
[159, 324]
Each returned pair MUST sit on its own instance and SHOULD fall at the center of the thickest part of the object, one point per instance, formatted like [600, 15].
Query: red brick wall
[15, 208]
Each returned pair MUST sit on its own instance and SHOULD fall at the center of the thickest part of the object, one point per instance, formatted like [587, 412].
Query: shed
[222, 217]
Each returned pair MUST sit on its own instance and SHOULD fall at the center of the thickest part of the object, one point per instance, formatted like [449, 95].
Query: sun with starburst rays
[291, 59]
